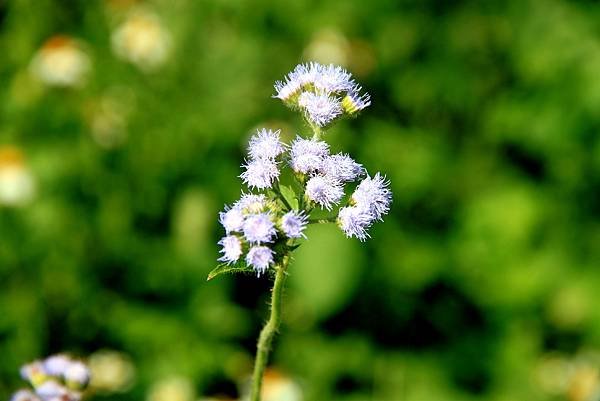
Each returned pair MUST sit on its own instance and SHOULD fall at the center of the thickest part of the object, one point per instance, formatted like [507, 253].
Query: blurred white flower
[62, 62]
[112, 371]
[17, 186]
[142, 40]
[174, 388]
[279, 387]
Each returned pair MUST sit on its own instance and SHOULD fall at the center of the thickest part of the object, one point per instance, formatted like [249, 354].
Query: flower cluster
[261, 228]
[322, 92]
[253, 225]
[57, 377]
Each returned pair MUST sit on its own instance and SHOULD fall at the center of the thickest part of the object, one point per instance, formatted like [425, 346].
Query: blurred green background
[122, 128]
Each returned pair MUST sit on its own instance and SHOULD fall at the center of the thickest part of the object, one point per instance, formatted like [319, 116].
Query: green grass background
[485, 118]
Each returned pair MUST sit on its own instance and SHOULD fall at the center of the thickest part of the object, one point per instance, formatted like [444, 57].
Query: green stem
[330, 219]
[268, 332]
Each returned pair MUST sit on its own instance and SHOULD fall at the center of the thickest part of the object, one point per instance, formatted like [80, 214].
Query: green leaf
[289, 195]
[229, 269]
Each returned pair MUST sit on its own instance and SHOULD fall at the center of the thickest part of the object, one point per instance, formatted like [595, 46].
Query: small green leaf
[228, 269]
[289, 195]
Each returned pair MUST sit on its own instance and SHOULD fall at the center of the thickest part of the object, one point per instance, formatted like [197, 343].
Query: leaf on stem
[289, 195]
[229, 269]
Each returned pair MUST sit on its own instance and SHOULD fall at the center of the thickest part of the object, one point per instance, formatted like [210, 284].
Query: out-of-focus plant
[57, 377]
[264, 228]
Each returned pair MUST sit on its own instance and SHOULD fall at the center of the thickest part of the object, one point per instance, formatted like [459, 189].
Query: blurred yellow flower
[61, 61]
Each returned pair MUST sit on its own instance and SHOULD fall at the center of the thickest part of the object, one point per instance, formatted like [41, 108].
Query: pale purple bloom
[294, 82]
[342, 167]
[24, 395]
[332, 78]
[232, 219]
[51, 389]
[265, 144]
[260, 173]
[32, 369]
[77, 372]
[324, 191]
[307, 155]
[373, 194]
[56, 365]
[259, 228]
[231, 249]
[320, 108]
[355, 222]
[251, 203]
[293, 224]
[259, 257]
[354, 102]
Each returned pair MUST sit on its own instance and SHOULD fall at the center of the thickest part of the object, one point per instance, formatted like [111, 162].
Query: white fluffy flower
[62, 61]
[32, 370]
[293, 224]
[24, 395]
[307, 155]
[259, 257]
[320, 108]
[373, 194]
[355, 222]
[354, 102]
[265, 144]
[232, 219]
[324, 191]
[50, 390]
[77, 373]
[259, 228]
[342, 167]
[294, 82]
[56, 365]
[232, 249]
[332, 78]
[260, 173]
[251, 203]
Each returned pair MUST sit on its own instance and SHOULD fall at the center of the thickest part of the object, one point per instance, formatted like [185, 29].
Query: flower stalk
[269, 330]
[265, 226]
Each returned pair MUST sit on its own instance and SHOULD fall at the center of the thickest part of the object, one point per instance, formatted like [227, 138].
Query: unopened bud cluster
[262, 227]
[56, 378]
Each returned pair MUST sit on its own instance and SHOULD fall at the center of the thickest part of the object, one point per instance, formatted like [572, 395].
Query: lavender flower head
[265, 145]
[290, 182]
[320, 108]
[259, 257]
[232, 219]
[293, 224]
[260, 173]
[259, 228]
[355, 222]
[324, 191]
[342, 167]
[307, 155]
[231, 249]
[374, 195]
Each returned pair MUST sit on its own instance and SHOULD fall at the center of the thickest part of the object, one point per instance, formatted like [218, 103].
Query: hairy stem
[330, 219]
[268, 332]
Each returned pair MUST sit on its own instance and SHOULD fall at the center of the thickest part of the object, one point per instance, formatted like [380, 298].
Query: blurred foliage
[481, 284]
